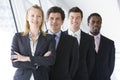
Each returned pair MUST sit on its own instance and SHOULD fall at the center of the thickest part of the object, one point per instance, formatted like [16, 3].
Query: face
[75, 20]
[54, 21]
[95, 25]
[34, 18]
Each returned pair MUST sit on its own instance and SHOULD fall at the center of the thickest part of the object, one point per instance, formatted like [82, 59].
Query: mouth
[34, 22]
[54, 25]
[74, 23]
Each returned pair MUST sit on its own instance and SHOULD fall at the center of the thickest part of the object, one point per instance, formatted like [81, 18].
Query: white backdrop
[108, 9]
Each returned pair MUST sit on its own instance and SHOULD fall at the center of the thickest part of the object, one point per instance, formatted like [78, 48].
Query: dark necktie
[54, 35]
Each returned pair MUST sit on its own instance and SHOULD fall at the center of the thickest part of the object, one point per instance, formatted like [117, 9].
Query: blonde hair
[27, 26]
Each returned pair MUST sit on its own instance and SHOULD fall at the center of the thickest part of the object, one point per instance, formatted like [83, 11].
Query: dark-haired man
[105, 50]
[67, 52]
[86, 44]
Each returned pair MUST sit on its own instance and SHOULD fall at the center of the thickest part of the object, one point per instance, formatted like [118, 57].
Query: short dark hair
[76, 9]
[56, 9]
[94, 14]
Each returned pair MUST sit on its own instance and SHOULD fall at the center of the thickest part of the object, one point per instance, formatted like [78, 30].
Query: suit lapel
[61, 41]
[26, 42]
[40, 44]
[101, 45]
[81, 41]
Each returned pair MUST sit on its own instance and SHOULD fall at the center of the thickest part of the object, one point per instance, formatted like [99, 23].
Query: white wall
[108, 9]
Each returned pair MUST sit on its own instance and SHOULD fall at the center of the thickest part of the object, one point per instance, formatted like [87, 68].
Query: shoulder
[48, 36]
[64, 34]
[68, 37]
[17, 37]
[86, 36]
[108, 40]
[19, 34]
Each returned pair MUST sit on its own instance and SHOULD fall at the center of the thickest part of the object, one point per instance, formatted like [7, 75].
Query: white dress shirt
[33, 48]
[57, 38]
[96, 41]
[76, 34]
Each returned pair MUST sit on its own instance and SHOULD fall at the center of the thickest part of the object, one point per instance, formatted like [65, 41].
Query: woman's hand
[18, 57]
[48, 53]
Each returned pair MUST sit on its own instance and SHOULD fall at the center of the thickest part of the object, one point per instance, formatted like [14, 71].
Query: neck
[54, 31]
[74, 29]
[34, 32]
[94, 34]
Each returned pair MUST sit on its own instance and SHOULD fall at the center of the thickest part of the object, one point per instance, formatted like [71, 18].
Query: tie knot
[96, 37]
[54, 35]
[74, 35]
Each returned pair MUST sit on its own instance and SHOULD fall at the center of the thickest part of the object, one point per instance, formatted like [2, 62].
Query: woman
[33, 51]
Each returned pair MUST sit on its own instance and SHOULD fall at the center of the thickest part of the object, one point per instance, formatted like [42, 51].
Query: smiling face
[34, 18]
[54, 21]
[75, 20]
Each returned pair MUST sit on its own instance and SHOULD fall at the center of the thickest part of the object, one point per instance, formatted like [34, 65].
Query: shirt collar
[30, 34]
[77, 32]
[57, 34]
[96, 35]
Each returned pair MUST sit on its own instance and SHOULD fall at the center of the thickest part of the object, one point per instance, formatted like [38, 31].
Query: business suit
[86, 57]
[104, 60]
[67, 55]
[39, 64]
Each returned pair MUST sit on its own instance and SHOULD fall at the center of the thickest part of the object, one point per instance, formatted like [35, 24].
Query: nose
[54, 21]
[96, 24]
[35, 18]
[74, 20]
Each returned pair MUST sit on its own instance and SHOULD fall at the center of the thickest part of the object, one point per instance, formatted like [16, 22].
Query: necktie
[74, 35]
[54, 35]
[55, 40]
[96, 43]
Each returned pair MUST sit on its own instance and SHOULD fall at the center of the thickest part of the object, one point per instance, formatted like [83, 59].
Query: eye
[51, 18]
[72, 17]
[99, 22]
[39, 16]
[78, 17]
[32, 15]
[58, 18]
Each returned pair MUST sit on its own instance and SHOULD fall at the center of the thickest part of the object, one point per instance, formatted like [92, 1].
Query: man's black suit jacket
[86, 57]
[104, 60]
[67, 55]
[39, 64]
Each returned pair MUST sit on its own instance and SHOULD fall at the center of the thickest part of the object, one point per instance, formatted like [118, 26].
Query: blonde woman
[33, 51]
